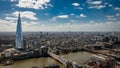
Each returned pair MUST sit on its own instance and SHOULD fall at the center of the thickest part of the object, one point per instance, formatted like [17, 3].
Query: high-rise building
[19, 38]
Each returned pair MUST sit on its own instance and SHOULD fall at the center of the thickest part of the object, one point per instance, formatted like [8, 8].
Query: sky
[60, 15]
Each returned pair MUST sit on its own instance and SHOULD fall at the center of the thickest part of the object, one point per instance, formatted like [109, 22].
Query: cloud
[82, 15]
[97, 6]
[35, 4]
[94, 2]
[107, 26]
[110, 16]
[13, 0]
[26, 14]
[10, 25]
[117, 14]
[112, 19]
[59, 16]
[75, 4]
[110, 5]
[79, 8]
[10, 21]
[29, 24]
[36, 26]
[33, 23]
[117, 8]
[72, 14]
[46, 14]
[73, 20]
[10, 18]
[7, 25]
[62, 16]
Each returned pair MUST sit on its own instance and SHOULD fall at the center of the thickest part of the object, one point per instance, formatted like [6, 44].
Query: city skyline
[60, 15]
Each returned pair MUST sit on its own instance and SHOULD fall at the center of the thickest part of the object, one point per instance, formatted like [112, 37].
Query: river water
[78, 57]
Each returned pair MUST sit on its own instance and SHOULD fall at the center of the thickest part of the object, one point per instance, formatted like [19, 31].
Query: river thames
[79, 57]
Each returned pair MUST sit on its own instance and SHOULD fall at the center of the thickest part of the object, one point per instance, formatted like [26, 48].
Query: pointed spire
[19, 17]
[19, 14]
[19, 38]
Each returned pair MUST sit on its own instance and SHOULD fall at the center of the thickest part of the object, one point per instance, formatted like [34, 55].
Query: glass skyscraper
[19, 38]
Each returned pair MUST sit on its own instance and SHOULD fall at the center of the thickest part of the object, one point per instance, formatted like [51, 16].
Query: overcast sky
[61, 15]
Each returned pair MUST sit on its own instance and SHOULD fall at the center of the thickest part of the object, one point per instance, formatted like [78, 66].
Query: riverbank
[79, 57]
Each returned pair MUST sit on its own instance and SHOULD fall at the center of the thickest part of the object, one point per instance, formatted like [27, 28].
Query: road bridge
[67, 63]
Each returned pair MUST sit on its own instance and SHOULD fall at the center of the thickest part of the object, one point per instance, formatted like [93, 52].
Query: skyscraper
[19, 38]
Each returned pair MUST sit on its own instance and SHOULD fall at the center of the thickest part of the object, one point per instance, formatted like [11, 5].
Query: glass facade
[19, 39]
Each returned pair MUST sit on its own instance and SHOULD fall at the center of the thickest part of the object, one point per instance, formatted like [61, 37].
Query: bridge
[106, 54]
[67, 63]
[58, 58]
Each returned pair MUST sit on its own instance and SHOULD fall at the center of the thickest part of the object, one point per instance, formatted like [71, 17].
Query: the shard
[19, 38]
